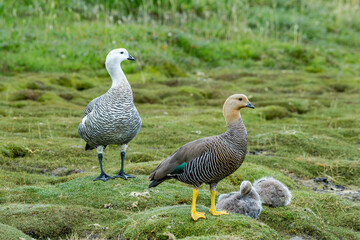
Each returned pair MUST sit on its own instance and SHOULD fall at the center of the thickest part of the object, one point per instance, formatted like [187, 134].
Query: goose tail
[88, 147]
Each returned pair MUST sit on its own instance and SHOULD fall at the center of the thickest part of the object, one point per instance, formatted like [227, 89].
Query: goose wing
[184, 154]
[90, 106]
[82, 127]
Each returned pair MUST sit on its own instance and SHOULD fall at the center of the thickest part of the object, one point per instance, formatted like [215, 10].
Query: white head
[118, 55]
[112, 63]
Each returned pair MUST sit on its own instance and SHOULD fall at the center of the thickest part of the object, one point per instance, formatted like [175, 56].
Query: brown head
[245, 188]
[233, 105]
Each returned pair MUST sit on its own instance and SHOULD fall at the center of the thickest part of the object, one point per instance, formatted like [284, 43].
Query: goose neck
[117, 75]
[236, 126]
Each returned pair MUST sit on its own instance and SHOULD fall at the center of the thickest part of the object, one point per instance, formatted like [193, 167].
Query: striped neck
[236, 127]
[236, 133]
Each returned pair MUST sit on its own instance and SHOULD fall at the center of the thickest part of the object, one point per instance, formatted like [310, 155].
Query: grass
[12, 233]
[300, 71]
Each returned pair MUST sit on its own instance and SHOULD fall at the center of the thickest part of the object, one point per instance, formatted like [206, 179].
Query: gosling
[246, 202]
[272, 192]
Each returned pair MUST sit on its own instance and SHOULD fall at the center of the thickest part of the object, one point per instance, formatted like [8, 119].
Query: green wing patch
[179, 169]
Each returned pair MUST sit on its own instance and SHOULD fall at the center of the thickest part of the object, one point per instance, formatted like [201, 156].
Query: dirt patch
[60, 171]
[324, 185]
[259, 152]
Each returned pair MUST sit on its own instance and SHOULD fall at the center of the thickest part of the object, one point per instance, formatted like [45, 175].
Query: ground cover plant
[297, 61]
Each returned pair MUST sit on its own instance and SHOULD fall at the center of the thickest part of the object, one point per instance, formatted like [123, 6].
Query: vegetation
[297, 61]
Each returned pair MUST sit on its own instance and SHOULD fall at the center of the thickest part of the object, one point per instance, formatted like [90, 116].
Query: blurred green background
[297, 61]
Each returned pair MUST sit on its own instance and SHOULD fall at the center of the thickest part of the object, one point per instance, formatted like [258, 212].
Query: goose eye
[240, 99]
[121, 52]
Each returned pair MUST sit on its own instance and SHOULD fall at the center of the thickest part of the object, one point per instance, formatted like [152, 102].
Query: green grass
[297, 61]
[12, 233]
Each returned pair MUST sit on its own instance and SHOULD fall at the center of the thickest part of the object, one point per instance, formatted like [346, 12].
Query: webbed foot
[103, 177]
[123, 175]
[196, 215]
[218, 213]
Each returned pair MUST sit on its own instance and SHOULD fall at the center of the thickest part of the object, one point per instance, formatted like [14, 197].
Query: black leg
[121, 173]
[103, 176]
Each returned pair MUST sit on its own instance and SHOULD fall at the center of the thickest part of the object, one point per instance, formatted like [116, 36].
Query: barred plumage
[111, 118]
[208, 160]
[225, 154]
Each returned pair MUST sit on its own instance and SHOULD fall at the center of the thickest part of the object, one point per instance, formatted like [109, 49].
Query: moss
[272, 112]
[14, 151]
[37, 85]
[63, 81]
[340, 87]
[12, 233]
[344, 123]
[3, 113]
[3, 87]
[314, 145]
[193, 92]
[309, 214]
[50, 97]
[141, 157]
[51, 221]
[27, 95]
[68, 96]
[176, 220]
[146, 96]
[218, 237]
[171, 70]
[297, 106]
[81, 86]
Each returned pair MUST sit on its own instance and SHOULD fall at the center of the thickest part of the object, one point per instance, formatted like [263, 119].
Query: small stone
[76, 171]
[108, 205]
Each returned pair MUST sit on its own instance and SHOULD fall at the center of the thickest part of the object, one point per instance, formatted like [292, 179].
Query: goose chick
[208, 160]
[272, 192]
[246, 202]
[111, 118]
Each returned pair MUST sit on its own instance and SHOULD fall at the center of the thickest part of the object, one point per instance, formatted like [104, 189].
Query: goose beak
[131, 58]
[249, 105]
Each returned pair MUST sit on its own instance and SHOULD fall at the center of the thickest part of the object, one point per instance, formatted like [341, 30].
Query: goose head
[232, 106]
[116, 56]
[237, 101]
[245, 188]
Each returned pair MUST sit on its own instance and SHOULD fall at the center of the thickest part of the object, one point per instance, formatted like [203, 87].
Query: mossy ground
[305, 85]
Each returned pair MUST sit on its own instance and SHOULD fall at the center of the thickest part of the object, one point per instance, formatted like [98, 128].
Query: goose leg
[194, 214]
[103, 176]
[212, 207]
[121, 173]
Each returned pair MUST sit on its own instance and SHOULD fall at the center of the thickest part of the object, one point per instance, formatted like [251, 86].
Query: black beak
[131, 58]
[249, 105]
